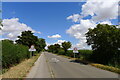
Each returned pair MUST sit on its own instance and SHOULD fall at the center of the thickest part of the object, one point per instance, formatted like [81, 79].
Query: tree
[51, 48]
[40, 44]
[66, 46]
[7, 40]
[105, 41]
[56, 48]
[27, 38]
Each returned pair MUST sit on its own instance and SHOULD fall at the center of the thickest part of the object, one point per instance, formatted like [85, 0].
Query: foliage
[13, 53]
[27, 38]
[51, 48]
[40, 44]
[105, 41]
[70, 53]
[20, 70]
[66, 45]
[61, 52]
[85, 54]
[54, 48]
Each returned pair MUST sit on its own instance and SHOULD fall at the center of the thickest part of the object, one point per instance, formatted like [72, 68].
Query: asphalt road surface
[53, 66]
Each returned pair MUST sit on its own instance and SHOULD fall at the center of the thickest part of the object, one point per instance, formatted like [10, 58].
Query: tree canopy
[54, 48]
[66, 45]
[105, 42]
[27, 38]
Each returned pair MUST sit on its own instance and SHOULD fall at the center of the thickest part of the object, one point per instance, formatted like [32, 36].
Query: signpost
[32, 49]
[75, 50]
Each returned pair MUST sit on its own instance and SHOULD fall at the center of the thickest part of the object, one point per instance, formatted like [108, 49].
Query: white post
[74, 54]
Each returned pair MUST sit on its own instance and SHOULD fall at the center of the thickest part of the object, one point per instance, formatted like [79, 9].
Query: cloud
[78, 31]
[100, 10]
[57, 42]
[106, 22]
[13, 28]
[55, 36]
[74, 17]
[60, 42]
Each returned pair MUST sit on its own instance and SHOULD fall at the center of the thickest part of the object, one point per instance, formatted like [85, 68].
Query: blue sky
[48, 18]
[51, 18]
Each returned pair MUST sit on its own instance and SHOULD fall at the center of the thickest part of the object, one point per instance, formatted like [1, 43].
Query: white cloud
[74, 17]
[55, 36]
[57, 42]
[13, 28]
[78, 31]
[60, 42]
[101, 10]
[106, 22]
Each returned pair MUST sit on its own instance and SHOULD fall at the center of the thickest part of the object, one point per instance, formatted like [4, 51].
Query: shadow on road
[80, 62]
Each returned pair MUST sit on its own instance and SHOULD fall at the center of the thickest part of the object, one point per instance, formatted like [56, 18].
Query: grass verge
[109, 68]
[20, 70]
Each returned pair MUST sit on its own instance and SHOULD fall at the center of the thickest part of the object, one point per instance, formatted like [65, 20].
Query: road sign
[75, 50]
[32, 48]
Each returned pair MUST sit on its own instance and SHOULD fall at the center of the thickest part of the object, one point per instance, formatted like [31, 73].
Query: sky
[57, 22]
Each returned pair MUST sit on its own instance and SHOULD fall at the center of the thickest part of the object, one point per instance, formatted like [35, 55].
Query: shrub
[70, 53]
[85, 54]
[13, 53]
[61, 52]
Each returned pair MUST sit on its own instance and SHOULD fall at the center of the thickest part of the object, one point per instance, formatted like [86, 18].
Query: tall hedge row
[85, 54]
[13, 53]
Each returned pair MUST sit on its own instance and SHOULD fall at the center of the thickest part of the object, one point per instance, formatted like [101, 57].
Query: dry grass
[109, 68]
[20, 70]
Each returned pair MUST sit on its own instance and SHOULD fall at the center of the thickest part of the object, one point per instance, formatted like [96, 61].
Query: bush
[13, 53]
[61, 52]
[85, 54]
[70, 53]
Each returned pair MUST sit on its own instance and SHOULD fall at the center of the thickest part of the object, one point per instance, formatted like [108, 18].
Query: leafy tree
[7, 40]
[40, 44]
[27, 38]
[66, 46]
[54, 48]
[105, 41]
[51, 48]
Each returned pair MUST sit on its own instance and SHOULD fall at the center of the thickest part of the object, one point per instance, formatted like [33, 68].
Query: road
[53, 66]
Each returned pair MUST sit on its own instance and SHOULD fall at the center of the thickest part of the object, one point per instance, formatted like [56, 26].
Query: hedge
[13, 53]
